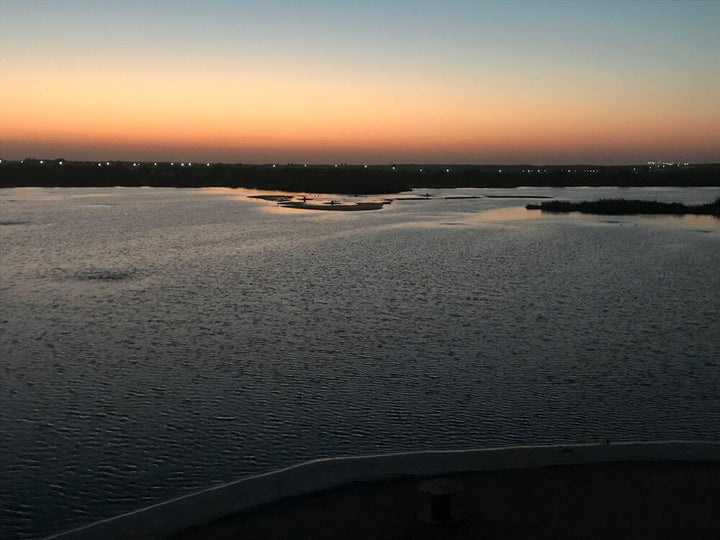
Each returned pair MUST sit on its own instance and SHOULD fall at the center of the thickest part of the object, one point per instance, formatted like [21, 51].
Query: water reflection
[706, 224]
[508, 214]
[700, 222]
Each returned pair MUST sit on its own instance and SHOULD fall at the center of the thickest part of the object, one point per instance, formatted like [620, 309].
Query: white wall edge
[166, 518]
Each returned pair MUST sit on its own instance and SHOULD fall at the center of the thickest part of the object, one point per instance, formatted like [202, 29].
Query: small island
[307, 203]
[619, 207]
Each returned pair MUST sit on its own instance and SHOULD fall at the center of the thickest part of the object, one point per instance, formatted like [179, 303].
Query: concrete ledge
[164, 519]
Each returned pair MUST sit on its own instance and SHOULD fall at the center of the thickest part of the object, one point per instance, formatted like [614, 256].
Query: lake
[159, 341]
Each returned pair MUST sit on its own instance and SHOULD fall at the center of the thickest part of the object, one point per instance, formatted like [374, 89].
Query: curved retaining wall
[161, 520]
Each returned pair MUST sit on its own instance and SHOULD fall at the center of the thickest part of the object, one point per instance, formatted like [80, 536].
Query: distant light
[274, 165]
[155, 164]
[107, 163]
[207, 164]
[190, 164]
[305, 165]
[41, 162]
[499, 170]
[393, 167]
[366, 166]
[60, 162]
[447, 170]
[420, 170]
[99, 164]
[22, 161]
[335, 165]
[182, 164]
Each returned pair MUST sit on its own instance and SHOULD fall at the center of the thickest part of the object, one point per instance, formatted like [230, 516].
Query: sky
[361, 82]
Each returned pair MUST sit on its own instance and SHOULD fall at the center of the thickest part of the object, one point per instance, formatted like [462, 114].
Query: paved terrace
[634, 490]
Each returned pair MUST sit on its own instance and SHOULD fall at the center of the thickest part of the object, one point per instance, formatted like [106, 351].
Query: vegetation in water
[628, 206]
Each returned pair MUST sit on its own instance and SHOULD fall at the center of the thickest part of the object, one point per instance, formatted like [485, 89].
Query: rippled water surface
[158, 341]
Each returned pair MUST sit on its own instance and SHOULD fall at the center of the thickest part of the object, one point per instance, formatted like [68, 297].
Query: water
[159, 341]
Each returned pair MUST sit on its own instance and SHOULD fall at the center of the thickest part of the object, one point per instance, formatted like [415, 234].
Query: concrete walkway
[602, 500]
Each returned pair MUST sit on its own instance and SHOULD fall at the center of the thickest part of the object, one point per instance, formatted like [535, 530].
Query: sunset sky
[360, 82]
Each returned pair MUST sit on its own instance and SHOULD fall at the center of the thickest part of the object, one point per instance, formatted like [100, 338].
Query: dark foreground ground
[619, 500]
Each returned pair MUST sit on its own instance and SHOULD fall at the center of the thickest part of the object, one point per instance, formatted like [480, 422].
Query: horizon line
[354, 164]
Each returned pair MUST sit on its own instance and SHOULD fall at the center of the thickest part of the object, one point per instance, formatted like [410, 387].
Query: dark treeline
[628, 206]
[345, 179]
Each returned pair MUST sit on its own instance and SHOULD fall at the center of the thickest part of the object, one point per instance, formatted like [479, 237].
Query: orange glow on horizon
[482, 82]
[281, 112]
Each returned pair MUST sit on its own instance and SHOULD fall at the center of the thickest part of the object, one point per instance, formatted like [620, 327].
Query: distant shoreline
[347, 179]
[628, 206]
